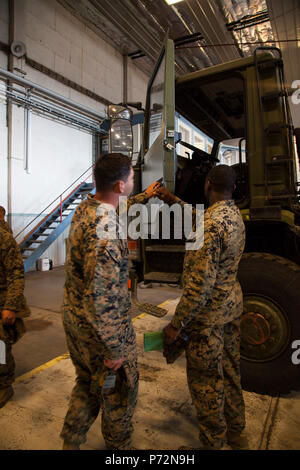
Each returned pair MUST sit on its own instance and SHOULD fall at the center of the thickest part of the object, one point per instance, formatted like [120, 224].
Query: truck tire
[270, 324]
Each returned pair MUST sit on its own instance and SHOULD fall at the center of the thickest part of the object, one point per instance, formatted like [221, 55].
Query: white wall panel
[58, 155]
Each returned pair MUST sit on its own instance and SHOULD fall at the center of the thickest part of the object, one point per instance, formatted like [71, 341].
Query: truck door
[158, 161]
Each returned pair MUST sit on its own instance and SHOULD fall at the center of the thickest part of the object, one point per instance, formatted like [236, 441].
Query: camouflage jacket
[96, 288]
[4, 225]
[212, 294]
[11, 275]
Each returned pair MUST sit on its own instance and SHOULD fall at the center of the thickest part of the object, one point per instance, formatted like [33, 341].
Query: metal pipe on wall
[27, 139]
[45, 92]
[41, 106]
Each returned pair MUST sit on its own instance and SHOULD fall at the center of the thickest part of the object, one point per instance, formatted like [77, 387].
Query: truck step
[151, 309]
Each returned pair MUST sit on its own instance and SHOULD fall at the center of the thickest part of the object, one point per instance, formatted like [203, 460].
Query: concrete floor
[44, 294]
[165, 417]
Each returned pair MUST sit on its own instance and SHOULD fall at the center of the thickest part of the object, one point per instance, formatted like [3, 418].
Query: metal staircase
[38, 240]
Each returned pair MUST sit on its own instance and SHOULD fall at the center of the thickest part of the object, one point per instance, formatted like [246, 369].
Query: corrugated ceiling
[206, 32]
[254, 13]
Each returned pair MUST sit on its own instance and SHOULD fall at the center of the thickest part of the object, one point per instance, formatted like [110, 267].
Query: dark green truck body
[244, 99]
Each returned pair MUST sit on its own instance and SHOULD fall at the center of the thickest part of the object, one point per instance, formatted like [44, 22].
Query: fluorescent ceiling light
[171, 2]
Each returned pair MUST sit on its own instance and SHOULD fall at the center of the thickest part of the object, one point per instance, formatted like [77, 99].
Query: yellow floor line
[54, 361]
[39, 369]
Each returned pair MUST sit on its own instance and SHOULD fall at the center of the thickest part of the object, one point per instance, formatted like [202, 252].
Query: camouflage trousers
[117, 405]
[213, 373]
[7, 370]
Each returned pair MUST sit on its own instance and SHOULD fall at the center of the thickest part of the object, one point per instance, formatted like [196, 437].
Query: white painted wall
[58, 153]
[3, 140]
[58, 156]
[61, 42]
[3, 126]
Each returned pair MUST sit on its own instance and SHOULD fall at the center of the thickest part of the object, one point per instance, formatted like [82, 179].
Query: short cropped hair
[111, 168]
[222, 178]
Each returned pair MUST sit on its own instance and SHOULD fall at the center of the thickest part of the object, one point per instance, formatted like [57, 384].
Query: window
[185, 137]
[192, 135]
[198, 141]
[209, 147]
[229, 152]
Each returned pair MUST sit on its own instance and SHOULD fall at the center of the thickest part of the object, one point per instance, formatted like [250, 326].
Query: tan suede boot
[70, 446]
[238, 441]
[224, 447]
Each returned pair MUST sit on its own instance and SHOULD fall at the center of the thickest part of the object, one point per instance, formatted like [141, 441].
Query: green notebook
[154, 341]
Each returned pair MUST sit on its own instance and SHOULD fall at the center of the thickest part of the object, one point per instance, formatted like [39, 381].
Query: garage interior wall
[3, 125]
[58, 153]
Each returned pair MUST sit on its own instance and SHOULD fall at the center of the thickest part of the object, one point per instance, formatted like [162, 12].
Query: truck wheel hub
[264, 329]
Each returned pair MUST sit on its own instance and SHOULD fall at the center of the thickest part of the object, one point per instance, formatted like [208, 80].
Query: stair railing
[61, 201]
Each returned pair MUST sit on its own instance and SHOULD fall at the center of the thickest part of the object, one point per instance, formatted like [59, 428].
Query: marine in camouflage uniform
[209, 312]
[98, 326]
[12, 299]
[3, 224]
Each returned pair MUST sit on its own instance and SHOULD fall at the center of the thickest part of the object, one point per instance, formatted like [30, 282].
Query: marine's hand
[8, 317]
[164, 194]
[152, 188]
[114, 364]
[171, 333]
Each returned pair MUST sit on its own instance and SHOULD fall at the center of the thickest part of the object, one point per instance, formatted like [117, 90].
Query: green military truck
[244, 100]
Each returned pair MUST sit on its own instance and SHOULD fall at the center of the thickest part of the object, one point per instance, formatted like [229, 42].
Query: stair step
[271, 95]
[279, 196]
[276, 127]
[280, 160]
[162, 277]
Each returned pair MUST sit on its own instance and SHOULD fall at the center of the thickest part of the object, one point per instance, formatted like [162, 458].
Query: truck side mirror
[116, 111]
[120, 133]
[121, 137]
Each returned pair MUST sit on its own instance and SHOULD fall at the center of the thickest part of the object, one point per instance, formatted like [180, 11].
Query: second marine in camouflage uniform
[209, 311]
